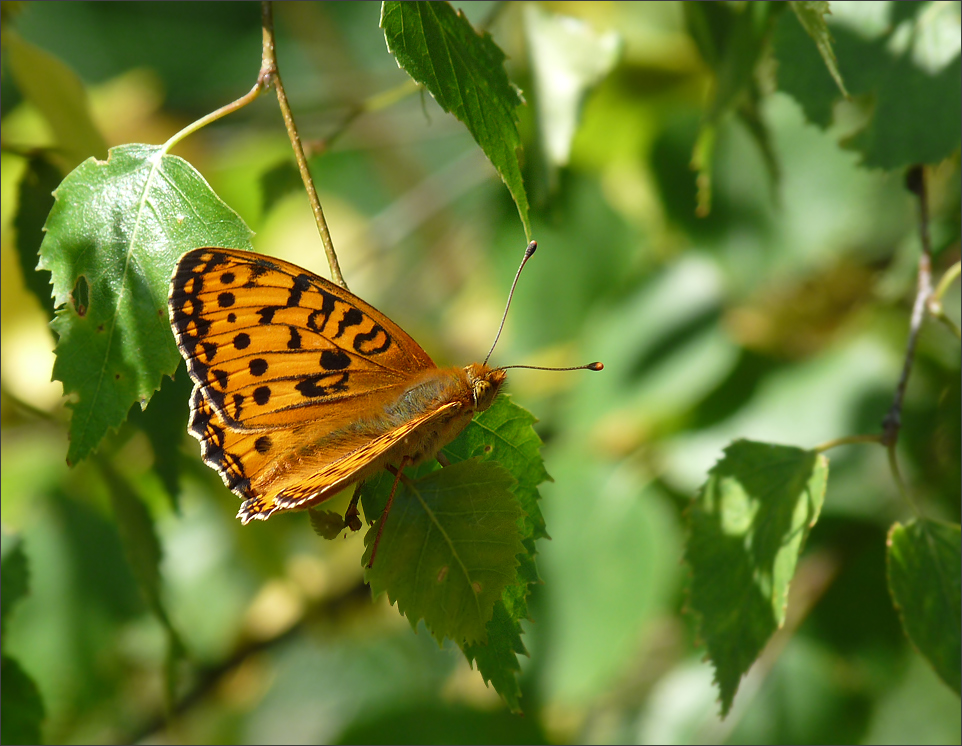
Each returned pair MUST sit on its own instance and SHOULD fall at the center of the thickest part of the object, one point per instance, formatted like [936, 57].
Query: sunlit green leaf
[112, 239]
[464, 71]
[748, 526]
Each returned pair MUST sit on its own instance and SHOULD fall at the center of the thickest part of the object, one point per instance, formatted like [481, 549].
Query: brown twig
[270, 60]
[267, 77]
[893, 419]
[206, 678]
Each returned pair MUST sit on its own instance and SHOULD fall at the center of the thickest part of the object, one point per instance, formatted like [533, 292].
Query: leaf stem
[269, 56]
[847, 440]
[263, 82]
[893, 419]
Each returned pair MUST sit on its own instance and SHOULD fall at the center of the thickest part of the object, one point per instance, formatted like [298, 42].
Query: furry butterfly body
[301, 388]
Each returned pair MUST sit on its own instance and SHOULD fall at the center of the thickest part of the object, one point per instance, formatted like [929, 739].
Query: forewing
[272, 346]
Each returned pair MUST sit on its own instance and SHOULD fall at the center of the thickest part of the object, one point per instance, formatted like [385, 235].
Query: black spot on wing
[323, 385]
[373, 342]
[335, 360]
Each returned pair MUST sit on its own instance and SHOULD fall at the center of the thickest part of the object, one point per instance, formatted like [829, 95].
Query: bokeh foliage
[763, 294]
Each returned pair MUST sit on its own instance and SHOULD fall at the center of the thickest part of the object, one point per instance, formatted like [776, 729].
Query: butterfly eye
[482, 393]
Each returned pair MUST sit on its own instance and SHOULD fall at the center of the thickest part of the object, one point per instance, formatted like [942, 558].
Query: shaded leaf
[164, 423]
[748, 526]
[21, 704]
[811, 15]
[925, 579]
[732, 39]
[34, 202]
[908, 71]
[326, 523]
[60, 97]
[436, 722]
[141, 545]
[113, 237]
[143, 551]
[504, 433]
[464, 71]
[277, 182]
[449, 547]
[14, 578]
[497, 658]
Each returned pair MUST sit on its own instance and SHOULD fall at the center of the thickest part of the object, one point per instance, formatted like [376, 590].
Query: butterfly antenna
[589, 366]
[528, 253]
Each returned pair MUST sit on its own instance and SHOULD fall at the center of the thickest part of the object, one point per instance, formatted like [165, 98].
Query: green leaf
[60, 97]
[748, 526]
[464, 71]
[811, 15]
[141, 545]
[34, 202]
[113, 237]
[449, 547]
[21, 704]
[164, 423]
[326, 523]
[277, 182]
[497, 659]
[569, 58]
[906, 73]
[14, 578]
[732, 39]
[504, 433]
[142, 548]
[925, 578]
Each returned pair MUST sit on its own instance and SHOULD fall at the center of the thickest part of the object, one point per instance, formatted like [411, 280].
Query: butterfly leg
[351, 515]
[387, 509]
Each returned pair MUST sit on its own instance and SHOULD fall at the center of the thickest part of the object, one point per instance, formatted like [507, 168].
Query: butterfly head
[485, 384]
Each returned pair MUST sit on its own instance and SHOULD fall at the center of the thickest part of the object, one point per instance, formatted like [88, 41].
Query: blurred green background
[780, 316]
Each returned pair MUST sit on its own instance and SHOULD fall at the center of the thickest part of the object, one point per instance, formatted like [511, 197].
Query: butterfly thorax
[456, 394]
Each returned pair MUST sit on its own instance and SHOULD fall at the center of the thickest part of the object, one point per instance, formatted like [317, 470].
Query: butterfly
[302, 389]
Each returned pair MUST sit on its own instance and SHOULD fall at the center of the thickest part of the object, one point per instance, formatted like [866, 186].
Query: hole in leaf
[80, 296]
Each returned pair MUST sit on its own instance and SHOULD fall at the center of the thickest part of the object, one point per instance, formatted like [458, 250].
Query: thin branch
[207, 678]
[893, 420]
[935, 301]
[375, 103]
[267, 23]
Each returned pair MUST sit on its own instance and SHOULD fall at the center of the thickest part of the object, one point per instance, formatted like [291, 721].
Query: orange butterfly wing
[284, 362]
